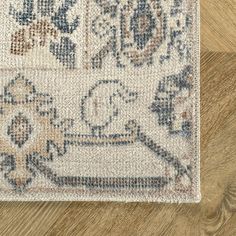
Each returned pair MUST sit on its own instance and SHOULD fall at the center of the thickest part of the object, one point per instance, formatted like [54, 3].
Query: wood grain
[216, 214]
[218, 25]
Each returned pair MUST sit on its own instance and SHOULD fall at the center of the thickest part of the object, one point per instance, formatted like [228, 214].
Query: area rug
[99, 100]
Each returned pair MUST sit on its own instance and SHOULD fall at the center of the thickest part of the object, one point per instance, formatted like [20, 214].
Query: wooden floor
[216, 214]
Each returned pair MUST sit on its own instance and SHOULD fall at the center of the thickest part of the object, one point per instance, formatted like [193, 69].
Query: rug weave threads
[99, 100]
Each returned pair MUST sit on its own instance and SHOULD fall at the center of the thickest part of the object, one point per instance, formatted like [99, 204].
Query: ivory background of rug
[218, 162]
[71, 66]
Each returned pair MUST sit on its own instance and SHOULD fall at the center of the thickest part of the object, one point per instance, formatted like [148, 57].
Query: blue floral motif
[64, 52]
[26, 16]
[60, 18]
[142, 24]
[173, 91]
[48, 22]
[136, 35]
[141, 32]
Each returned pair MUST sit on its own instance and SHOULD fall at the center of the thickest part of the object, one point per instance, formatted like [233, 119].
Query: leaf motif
[26, 16]
[64, 52]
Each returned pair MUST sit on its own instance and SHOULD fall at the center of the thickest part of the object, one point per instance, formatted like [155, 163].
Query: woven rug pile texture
[99, 100]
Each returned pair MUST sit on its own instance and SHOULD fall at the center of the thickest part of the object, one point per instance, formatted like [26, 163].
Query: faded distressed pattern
[138, 32]
[99, 100]
[41, 24]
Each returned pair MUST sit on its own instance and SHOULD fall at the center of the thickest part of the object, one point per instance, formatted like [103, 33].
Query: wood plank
[25, 218]
[218, 25]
